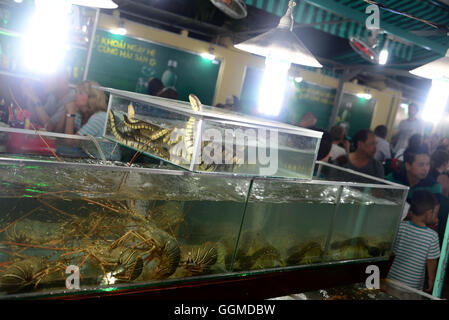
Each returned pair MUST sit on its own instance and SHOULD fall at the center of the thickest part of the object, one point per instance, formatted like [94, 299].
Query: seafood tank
[120, 226]
[206, 139]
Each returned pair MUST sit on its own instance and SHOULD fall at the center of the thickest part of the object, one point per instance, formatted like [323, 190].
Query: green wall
[127, 63]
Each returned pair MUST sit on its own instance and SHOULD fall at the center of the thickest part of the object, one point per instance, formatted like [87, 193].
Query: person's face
[420, 167]
[369, 146]
[432, 216]
[412, 111]
[81, 100]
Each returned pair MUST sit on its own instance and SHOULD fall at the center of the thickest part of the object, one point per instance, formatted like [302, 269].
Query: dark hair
[442, 147]
[325, 145]
[439, 158]
[422, 201]
[155, 86]
[381, 131]
[415, 140]
[169, 93]
[337, 133]
[411, 153]
[361, 135]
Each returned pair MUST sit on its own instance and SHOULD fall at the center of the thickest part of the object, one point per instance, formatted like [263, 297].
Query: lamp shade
[281, 43]
[435, 70]
[105, 4]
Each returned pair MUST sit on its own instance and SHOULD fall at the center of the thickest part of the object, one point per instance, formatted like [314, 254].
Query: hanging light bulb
[281, 43]
[272, 91]
[47, 28]
[383, 55]
[281, 47]
[105, 4]
[436, 101]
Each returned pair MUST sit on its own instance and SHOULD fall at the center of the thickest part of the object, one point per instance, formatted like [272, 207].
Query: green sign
[126, 63]
[299, 98]
[312, 98]
[355, 113]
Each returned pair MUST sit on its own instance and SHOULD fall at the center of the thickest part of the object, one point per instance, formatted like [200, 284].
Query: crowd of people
[81, 110]
[63, 109]
[412, 159]
[56, 106]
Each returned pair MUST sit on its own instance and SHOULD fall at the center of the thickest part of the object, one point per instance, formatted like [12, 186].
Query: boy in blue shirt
[416, 245]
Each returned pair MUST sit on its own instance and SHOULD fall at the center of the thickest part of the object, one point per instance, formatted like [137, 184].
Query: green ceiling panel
[270, 6]
[310, 15]
[326, 27]
[318, 11]
[299, 11]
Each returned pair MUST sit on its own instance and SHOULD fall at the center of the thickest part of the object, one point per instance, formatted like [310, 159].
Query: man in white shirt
[383, 152]
[338, 135]
[408, 127]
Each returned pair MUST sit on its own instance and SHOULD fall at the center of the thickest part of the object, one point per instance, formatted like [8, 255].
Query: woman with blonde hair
[87, 114]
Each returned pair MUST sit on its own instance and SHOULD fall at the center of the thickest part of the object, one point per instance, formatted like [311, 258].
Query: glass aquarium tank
[32, 143]
[206, 139]
[118, 227]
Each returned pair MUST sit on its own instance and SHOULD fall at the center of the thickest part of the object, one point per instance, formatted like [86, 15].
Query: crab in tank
[353, 248]
[197, 260]
[254, 252]
[305, 253]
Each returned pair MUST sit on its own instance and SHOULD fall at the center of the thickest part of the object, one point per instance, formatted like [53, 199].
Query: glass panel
[229, 147]
[365, 223]
[285, 224]
[118, 225]
[31, 143]
[232, 143]
[159, 133]
[327, 172]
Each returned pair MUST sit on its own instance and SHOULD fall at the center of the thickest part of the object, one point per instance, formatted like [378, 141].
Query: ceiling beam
[171, 18]
[347, 12]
